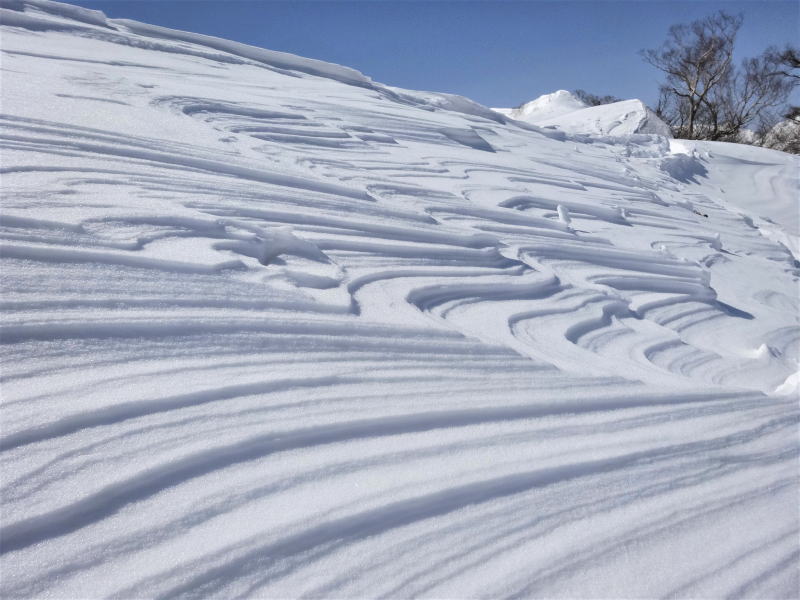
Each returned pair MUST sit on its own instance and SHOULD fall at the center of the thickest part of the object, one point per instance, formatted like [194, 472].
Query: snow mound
[544, 107]
[618, 118]
[566, 112]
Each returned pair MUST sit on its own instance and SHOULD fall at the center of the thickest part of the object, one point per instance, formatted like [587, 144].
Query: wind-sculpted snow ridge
[564, 112]
[618, 118]
[271, 329]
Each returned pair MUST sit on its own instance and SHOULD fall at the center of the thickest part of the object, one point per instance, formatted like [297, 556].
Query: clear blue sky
[500, 52]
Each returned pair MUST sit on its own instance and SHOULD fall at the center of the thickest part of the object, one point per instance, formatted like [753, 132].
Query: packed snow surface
[272, 329]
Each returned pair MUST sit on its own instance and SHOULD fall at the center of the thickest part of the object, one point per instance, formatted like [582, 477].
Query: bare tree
[787, 61]
[784, 134]
[673, 110]
[697, 59]
[753, 94]
[787, 136]
[779, 123]
[593, 99]
[705, 96]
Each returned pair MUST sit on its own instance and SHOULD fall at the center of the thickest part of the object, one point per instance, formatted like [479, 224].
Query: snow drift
[272, 329]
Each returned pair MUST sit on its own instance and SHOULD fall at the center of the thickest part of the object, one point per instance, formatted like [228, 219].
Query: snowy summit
[273, 329]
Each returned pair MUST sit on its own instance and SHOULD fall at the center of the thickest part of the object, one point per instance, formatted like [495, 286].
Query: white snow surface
[564, 111]
[272, 329]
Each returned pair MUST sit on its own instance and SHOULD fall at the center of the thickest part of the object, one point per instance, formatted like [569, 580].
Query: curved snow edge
[32, 14]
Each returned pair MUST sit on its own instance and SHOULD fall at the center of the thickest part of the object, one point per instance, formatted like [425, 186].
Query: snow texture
[272, 329]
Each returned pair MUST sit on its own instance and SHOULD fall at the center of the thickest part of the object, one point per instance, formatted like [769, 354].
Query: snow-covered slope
[271, 329]
[564, 111]
[776, 213]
